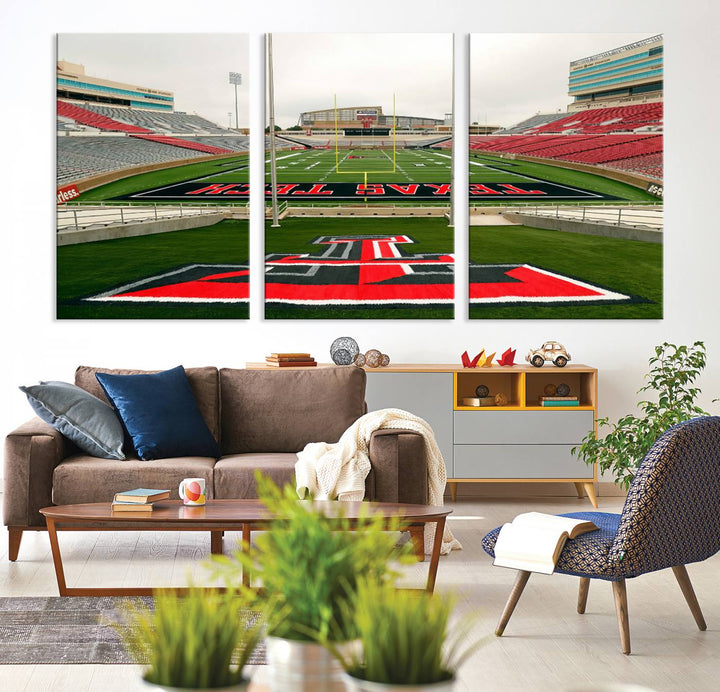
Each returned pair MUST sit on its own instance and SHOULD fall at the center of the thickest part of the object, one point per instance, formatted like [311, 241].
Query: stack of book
[290, 360]
[138, 500]
[559, 401]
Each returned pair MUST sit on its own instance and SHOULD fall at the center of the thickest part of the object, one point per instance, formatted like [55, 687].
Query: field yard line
[140, 282]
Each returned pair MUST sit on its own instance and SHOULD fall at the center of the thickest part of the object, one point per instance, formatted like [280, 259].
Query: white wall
[36, 346]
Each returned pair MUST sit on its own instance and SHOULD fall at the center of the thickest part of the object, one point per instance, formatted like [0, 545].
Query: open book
[533, 541]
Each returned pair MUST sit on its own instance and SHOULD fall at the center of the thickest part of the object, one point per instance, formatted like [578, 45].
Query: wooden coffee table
[217, 516]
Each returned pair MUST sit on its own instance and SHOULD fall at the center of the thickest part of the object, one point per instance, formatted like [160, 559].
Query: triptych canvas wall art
[565, 176]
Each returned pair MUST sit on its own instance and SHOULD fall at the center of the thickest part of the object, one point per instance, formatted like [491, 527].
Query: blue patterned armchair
[671, 518]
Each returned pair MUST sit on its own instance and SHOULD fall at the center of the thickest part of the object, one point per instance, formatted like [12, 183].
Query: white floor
[547, 646]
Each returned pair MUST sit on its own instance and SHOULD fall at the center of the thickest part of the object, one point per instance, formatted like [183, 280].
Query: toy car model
[550, 350]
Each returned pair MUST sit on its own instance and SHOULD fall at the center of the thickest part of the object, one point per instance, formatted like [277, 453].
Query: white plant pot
[239, 687]
[357, 685]
[301, 667]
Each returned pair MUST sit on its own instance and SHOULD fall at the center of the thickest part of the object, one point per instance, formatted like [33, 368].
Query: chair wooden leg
[14, 538]
[684, 580]
[583, 594]
[620, 594]
[515, 594]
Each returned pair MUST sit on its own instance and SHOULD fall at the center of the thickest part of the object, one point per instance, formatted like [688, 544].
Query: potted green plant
[673, 372]
[198, 641]
[405, 642]
[310, 565]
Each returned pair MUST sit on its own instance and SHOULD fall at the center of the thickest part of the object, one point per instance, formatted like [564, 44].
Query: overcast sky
[363, 70]
[193, 66]
[514, 76]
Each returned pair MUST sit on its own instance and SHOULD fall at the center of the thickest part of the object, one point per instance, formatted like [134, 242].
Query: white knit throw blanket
[329, 471]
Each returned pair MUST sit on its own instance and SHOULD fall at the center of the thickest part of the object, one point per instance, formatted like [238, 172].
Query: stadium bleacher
[158, 122]
[648, 116]
[128, 138]
[81, 157]
[625, 138]
[532, 122]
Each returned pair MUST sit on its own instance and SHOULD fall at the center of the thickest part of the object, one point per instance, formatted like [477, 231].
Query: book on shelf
[558, 398]
[289, 359]
[554, 402]
[303, 364]
[533, 541]
[141, 496]
[303, 356]
[290, 363]
[131, 506]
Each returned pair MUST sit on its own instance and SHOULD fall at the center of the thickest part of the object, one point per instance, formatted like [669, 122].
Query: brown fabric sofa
[260, 418]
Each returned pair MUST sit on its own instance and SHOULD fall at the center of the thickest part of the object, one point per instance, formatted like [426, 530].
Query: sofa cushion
[203, 382]
[83, 418]
[81, 478]
[235, 475]
[281, 411]
[160, 413]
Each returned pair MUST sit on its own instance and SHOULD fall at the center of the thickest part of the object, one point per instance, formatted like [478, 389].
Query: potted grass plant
[198, 641]
[405, 641]
[310, 565]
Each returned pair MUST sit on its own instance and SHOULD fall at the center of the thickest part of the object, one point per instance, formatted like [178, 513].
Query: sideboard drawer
[519, 461]
[522, 427]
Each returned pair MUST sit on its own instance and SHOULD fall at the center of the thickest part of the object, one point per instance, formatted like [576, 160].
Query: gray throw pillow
[83, 418]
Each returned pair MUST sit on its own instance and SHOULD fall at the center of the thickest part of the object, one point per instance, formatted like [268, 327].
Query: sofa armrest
[32, 452]
[399, 472]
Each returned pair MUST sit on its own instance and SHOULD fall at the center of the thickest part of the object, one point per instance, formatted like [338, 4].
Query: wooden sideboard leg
[14, 538]
[580, 490]
[453, 491]
[583, 594]
[216, 542]
[417, 536]
[590, 490]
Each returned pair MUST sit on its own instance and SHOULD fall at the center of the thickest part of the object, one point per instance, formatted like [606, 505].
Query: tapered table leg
[246, 547]
[520, 581]
[417, 536]
[216, 542]
[57, 558]
[435, 556]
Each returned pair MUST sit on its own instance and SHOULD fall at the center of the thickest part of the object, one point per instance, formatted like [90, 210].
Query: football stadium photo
[358, 200]
[142, 133]
[566, 177]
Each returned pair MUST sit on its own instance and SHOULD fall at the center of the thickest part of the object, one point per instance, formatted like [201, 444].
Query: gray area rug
[69, 630]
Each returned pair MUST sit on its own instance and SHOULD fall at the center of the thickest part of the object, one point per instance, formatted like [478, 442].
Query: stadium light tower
[236, 79]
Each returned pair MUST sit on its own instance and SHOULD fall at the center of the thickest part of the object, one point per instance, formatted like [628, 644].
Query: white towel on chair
[329, 471]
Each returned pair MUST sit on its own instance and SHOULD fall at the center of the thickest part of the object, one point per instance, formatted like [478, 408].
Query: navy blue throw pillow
[160, 413]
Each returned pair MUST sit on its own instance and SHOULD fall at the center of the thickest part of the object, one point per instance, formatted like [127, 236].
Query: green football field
[485, 168]
[233, 169]
[629, 267]
[92, 269]
[358, 166]
[382, 165]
